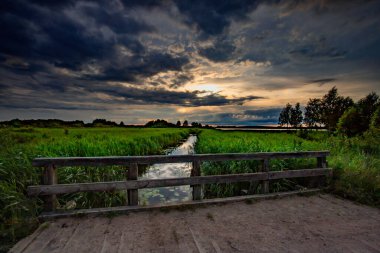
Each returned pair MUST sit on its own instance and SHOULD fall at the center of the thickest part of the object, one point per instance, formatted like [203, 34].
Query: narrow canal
[169, 170]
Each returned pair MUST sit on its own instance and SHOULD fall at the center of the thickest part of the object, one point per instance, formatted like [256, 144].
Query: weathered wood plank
[133, 195]
[319, 181]
[50, 178]
[196, 172]
[125, 160]
[128, 209]
[153, 183]
[265, 168]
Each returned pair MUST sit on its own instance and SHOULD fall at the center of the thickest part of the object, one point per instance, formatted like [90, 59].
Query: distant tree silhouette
[284, 118]
[103, 122]
[159, 123]
[42, 123]
[335, 112]
[296, 116]
[313, 111]
[196, 124]
[185, 123]
[332, 108]
[178, 124]
[121, 124]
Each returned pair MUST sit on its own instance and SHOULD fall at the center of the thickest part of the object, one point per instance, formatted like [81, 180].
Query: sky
[215, 62]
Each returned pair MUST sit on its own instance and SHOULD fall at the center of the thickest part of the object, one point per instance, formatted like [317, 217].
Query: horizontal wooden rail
[125, 160]
[153, 183]
[50, 188]
[166, 206]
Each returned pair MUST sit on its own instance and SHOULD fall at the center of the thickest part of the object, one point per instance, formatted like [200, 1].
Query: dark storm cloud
[41, 33]
[180, 80]
[213, 16]
[218, 52]
[67, 55]
[141, 66]
[312, 52]
[163, 96]
[323, 81]
[117, 95]
[118, 22]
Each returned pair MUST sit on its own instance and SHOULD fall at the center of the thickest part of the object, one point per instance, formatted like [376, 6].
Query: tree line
[164, 123]
[46, 123]
[334, 112]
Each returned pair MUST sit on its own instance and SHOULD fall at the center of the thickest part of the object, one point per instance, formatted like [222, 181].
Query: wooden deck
[318, 223]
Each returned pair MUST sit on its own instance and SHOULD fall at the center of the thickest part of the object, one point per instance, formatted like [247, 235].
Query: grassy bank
[356, 161]
[20, 145]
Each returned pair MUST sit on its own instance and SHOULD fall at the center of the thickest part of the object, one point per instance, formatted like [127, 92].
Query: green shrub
[356, 161]
[350, 122]
[375, 120]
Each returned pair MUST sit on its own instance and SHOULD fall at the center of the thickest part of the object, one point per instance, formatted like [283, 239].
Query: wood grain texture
[133, 195]
[128, 209]
[50, 178]
[196, 172]
[153, 183]
[265, 168]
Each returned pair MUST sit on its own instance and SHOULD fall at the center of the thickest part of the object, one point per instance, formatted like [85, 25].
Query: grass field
[20, 145]
[356, 161]
[356, 164]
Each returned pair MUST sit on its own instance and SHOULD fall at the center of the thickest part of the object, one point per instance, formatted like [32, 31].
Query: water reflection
[169, 170]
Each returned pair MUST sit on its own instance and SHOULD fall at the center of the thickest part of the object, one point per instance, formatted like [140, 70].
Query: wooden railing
[50, 188]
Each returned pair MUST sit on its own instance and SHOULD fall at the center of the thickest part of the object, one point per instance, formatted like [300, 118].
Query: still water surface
[169, 170]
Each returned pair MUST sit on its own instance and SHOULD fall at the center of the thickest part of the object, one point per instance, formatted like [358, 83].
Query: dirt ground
[319, 223]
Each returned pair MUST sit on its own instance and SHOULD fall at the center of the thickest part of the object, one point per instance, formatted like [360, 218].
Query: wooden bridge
[317, 223]
[50, 188]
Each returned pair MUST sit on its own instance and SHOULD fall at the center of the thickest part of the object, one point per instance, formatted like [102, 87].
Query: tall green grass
[19, 146]
[356, 161]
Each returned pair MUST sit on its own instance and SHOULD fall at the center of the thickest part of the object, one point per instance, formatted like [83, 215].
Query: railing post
[321, 180]
[133, 194]
[321, 162]
[197, 189]
[50, 178]
[265, 183]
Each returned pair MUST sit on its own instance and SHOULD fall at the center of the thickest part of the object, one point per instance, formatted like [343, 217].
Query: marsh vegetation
[355, 161]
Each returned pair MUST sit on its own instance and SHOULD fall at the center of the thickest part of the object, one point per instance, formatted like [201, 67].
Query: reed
[20, 145]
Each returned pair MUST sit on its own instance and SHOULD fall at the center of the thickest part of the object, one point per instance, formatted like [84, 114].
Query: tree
[159, 123]
[103, 122]
[196, 124]
[375, 120]
[366, 108]
[185, 123]
[349, 124]
[357, 119]
[121, 124]
[178, 124]
[333, 107]
[313, 112]
[296, 116]
[284, 118]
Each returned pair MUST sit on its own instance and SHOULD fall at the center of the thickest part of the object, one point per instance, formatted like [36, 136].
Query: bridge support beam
[265, 168]
[133, 194]
[195, 172]
[50, 178]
